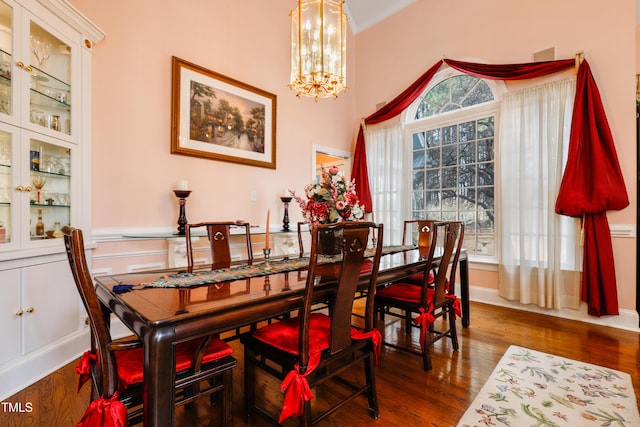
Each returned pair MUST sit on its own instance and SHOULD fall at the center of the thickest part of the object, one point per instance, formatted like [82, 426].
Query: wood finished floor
[407, 395]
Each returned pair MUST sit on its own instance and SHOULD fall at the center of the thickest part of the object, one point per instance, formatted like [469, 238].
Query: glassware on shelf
[38, 182]
[39, 224]
[41, 50]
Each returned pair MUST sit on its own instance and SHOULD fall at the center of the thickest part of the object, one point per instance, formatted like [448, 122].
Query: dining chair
[429, 301]
[313, 347]
[115, 367]
[218, 234]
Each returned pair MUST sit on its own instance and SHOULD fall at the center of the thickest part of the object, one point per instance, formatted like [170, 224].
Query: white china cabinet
[45, 179]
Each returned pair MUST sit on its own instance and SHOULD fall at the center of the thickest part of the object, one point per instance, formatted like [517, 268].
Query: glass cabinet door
[50, 195]
[6, 17]
[50, 87]
[6, 183]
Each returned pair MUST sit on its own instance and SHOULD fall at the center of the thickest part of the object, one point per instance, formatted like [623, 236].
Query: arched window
[452, 137]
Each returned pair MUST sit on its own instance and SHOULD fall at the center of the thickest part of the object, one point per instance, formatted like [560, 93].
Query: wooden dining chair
[115, 367]
[218, 235]
[307, 350]
[428, 301]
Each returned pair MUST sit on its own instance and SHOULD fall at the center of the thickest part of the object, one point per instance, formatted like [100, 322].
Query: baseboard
[628, 319]
[28, 369]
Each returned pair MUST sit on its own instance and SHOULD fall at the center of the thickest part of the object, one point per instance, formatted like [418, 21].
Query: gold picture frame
[216, 117]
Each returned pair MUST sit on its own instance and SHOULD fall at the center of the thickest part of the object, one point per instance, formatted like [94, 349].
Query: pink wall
[393, 54]
[247, 40]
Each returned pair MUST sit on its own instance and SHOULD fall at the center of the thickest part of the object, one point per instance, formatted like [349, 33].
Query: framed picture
[217, 117]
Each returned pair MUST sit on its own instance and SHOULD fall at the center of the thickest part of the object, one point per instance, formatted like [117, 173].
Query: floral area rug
[530, 388]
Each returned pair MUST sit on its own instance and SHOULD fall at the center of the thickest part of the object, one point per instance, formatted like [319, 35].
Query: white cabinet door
[50, 303]
[10, 317]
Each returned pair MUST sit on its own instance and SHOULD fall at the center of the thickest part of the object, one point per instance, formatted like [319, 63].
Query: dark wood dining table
[162, 317]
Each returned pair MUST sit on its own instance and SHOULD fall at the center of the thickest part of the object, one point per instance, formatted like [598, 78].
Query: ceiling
[365, 13]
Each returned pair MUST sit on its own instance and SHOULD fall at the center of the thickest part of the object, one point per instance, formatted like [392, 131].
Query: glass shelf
[46, 205]
[51, 174]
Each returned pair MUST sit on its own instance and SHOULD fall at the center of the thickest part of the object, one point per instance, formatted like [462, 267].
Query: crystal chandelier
[318, 48]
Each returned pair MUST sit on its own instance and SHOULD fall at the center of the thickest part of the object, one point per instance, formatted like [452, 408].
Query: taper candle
[266, 236]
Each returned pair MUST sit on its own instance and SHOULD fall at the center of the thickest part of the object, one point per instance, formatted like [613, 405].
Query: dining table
[170, 306]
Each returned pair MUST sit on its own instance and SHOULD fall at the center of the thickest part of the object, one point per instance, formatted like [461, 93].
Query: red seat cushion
[417, 278]
[367, 266]
[408, 292]
[131, 362]
[284, 335]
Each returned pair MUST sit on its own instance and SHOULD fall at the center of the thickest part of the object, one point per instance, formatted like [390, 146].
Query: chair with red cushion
[218, 234]
[417, 232]
[203, 366]
[311, 348]
[428, 301]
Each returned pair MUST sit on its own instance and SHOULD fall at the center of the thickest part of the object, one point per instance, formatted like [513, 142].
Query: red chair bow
[376, 339]
[296, 389]
[105, 413]
[83, 368]
[456, 305]
[424, 319]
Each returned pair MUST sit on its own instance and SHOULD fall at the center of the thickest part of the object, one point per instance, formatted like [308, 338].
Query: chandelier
[318, 48]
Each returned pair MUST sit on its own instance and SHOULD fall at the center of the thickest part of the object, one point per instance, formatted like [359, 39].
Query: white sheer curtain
[540, 254]
[388, 177]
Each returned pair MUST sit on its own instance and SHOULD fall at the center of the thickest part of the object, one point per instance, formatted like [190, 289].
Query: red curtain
[591, 185]
[591, 149]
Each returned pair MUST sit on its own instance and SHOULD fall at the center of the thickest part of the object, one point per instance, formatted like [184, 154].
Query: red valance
[592, 182]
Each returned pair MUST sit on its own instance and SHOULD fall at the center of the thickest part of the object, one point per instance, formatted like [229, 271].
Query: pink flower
[330, 199]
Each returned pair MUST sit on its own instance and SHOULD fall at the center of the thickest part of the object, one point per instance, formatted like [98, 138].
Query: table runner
[185, 280]
[531, 388]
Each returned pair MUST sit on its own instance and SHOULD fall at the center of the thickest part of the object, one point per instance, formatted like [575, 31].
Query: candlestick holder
[267, 285]
[267, 258]
[285, 220]
[182, 217]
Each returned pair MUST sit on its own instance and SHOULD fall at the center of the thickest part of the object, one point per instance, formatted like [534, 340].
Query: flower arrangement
[329, 200]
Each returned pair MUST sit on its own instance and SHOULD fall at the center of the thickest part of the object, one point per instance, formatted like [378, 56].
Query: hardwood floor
[407, 395]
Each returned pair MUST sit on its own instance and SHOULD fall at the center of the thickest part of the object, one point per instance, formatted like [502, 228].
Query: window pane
[439, 95]
[485, 174]
[450, 134]
[418, 159]
[485, 150]
[485, 128]
[418, 200]
[449, 177]
[418, 180]
[467, 176]
[460, 87]
[467, 153]
[432, 179]
[433, 138]
[485, 198]
[432, 159]
[432, 201]
[418, 140]
[467, 131]
[480, 93]
[449, 155]
[467, 199]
